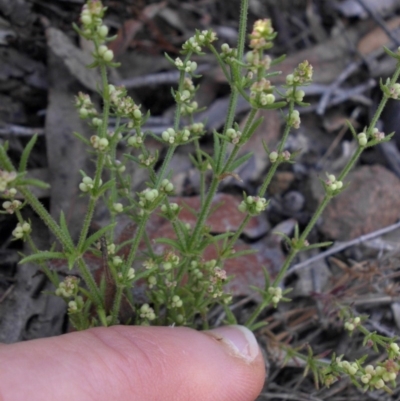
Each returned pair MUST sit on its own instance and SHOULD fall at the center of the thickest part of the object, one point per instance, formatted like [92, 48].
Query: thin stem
[100, 159]
[203, 213]
[90, 283]
[136, 242]
[287, 128]
[165, 164]
[228, 124]
[238, 232]
[92, 203]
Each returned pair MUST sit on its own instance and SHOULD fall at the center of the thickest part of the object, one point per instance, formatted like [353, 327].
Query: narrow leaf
[241, 160]
[25, 154]
[40, 256]
[96, 236]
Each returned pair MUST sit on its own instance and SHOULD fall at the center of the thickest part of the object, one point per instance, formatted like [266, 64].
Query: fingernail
[239, 340]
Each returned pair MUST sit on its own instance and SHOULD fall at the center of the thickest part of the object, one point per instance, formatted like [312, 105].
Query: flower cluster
[6, 178]
[257, 61]
[188, 66]
[297, 95]
[176, 302]
[118, 207]
[85, 106]
[199, 40]
[170, 261]
[166, 186]
[294, 120]
[87, 184]
[21, 230]
[175, 137]
[253, 205]
[170, 211]
[147, 160]
[124, 106]
[130, 275]
[92, 21]
[394, 91]
[352, 323]
[228, 54]
[76, 306]
[217, 279]
[233, 135]
[98, 143]
[261, 93]
[377, 136]
[12, 206]
[377, 377]
[302, 74]
[148, 200]
[68, 288]
[275, 156]
[332, 184]
[146, 313]
[136, 140]
[276, 293]
[207, 275]
[262, 35]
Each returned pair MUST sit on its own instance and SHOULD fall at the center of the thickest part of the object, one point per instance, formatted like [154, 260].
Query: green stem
[237, 148]
[92, 203]
[100, 159]
[203, 213]
[228, 124]
[117, 304]
[325, 200]
[238, 232]
[135, 245]
[268, 179]
[287, 128]
[90, 283]
[166, 162]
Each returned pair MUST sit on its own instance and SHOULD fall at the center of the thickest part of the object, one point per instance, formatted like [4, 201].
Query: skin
[134, 363]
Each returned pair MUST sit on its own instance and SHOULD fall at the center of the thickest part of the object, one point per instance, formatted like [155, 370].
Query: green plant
[182, 286]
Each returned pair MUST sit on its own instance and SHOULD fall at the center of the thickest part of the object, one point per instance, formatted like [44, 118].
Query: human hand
[134, 363]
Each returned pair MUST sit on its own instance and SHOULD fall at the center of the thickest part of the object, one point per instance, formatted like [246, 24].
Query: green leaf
[167, 241]
[34, 182]
[40, 256]
[209, 159]
[170, 59]
[277, 105]
[219, 237]
[230, 317]
[108, 185]
[5, 161]
[241, 160]
[390, 53]
[257, 326]
[319, 245]
[25, 154]
[278, 60]
[64, 228]
[82, 138]
[351, 128]
[242, 253]
[217, 145]
[253, 127]
[96, 236]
